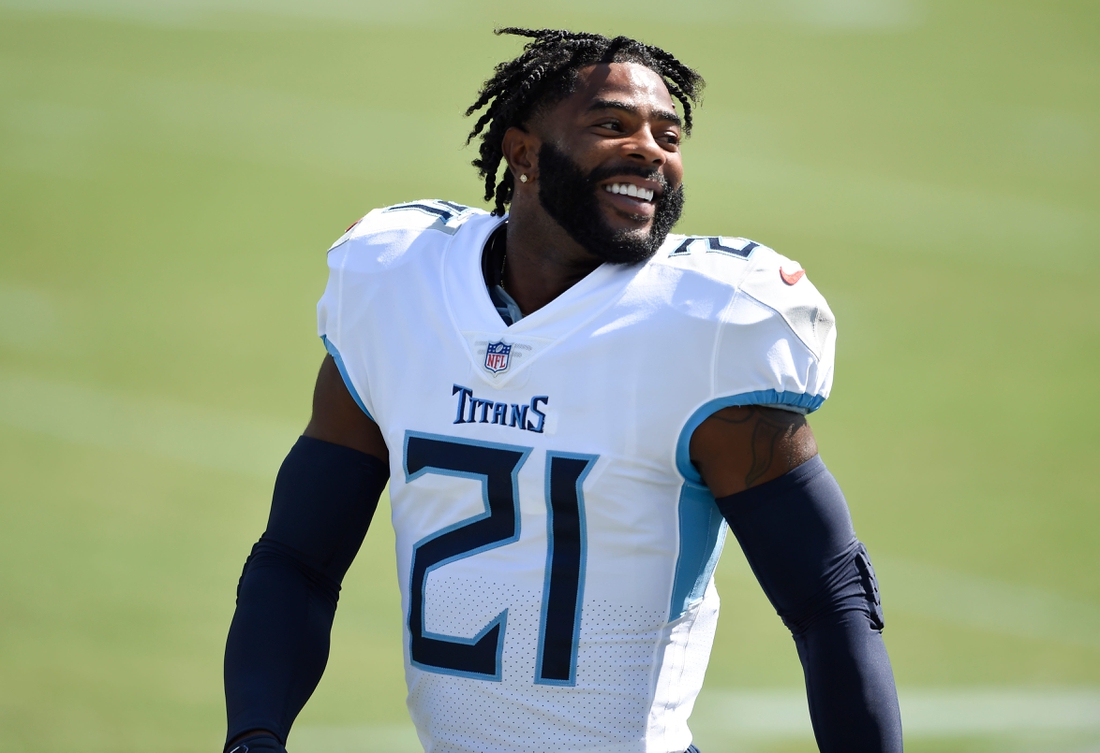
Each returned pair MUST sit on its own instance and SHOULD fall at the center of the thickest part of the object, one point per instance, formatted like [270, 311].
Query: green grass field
[172, 172]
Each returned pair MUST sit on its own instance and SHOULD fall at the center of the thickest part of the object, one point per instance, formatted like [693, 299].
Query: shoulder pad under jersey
[781, 284]
[387, 224]
[760, 273]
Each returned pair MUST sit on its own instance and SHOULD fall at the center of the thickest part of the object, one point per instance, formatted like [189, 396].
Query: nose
[642, 147]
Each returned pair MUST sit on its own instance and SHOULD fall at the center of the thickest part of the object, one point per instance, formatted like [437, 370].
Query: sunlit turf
[170, 180]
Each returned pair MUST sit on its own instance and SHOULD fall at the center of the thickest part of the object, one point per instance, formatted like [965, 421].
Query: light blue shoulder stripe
[800, 400]
[702, 528]
[344, 374]
[702, 536]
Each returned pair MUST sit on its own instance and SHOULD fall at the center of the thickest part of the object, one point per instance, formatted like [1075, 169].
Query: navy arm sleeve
[797, 535]
[325, 496]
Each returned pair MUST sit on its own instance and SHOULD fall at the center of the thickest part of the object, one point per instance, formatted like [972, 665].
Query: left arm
[791, 519]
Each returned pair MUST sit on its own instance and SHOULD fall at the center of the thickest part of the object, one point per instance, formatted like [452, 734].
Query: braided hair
[544, 74]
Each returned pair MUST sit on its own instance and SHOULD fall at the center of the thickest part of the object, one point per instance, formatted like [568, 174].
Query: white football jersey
[555, 545]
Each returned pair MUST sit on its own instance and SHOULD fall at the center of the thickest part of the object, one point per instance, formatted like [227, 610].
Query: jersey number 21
[496, 466]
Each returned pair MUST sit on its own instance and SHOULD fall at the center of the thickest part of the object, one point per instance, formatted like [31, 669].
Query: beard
[569, 196]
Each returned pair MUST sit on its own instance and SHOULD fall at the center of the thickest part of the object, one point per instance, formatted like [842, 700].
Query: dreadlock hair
[544, 74]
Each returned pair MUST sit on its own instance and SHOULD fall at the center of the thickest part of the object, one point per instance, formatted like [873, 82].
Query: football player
[570, 406]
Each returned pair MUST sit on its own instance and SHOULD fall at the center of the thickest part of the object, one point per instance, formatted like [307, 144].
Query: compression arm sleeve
[798, 538]
[325, 496]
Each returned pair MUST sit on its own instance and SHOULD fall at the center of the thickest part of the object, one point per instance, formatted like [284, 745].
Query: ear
[521, 150]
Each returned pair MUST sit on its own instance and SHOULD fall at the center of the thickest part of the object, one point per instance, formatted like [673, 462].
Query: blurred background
[172, 172]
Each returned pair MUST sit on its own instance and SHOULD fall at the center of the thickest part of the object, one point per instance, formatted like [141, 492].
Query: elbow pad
[797, 535]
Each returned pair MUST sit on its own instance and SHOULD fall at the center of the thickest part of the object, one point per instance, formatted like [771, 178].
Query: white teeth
[629, 189]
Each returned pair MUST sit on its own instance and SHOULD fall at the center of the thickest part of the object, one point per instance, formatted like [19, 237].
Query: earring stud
[523, 178]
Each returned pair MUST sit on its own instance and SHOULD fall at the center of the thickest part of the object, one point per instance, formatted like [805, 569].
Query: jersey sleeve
[777, 339]
[358, 262]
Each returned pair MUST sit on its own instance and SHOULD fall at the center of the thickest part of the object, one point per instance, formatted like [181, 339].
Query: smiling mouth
[631, 190]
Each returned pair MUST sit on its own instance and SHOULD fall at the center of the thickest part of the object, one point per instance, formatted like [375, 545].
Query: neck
[542, 260]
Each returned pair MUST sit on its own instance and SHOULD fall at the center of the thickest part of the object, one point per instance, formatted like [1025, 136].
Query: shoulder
[758, 283]
[385, 236]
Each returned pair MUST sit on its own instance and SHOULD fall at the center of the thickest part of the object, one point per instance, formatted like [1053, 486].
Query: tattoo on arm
[773, 440]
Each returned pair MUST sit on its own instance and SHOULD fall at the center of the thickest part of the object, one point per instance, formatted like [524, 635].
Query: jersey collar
[475, 315]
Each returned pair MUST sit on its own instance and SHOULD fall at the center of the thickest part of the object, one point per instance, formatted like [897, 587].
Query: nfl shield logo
[497, 356]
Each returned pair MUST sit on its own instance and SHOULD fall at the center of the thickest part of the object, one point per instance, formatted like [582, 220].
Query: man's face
[617, 135]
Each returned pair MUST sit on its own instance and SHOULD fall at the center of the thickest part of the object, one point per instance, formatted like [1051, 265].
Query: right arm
[325, 496]
[792, 521]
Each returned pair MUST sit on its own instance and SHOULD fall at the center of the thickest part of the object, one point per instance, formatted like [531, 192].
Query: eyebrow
[610, 104]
